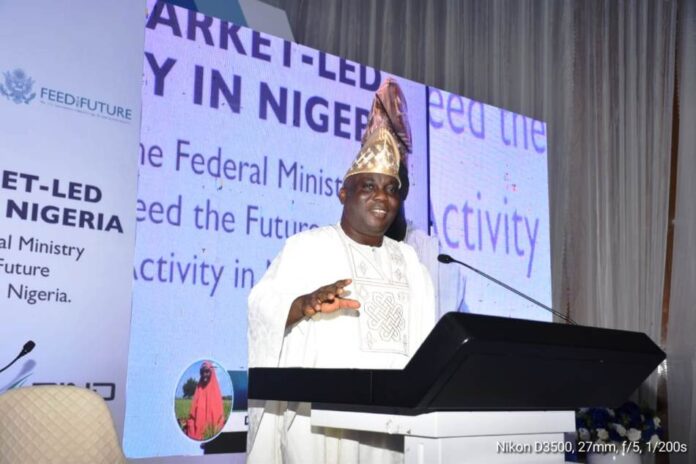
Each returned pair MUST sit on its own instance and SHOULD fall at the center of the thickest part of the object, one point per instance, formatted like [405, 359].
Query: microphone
[26, 349]
[446, 259]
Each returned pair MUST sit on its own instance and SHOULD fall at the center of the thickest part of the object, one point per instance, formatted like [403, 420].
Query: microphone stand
[28, 346]
[446, 259]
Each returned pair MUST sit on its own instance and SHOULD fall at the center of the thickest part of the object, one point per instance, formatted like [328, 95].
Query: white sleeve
[269, 304]
[428, 316]
[424, 314]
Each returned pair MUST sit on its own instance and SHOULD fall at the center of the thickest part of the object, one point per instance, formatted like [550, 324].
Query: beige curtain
[602, 74]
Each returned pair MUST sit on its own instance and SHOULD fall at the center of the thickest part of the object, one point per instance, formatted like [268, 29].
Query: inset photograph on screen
[203, 400]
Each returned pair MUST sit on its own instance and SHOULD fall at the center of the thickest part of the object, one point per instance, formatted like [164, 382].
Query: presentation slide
[489, 203]
[245, 141]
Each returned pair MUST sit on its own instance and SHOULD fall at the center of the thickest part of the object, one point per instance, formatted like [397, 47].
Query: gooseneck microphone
[28, 346]
[446, 259]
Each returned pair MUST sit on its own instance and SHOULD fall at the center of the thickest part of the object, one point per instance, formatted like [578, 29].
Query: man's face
[370, 204]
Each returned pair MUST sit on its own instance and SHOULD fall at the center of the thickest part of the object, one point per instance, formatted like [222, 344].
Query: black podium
[475, 369]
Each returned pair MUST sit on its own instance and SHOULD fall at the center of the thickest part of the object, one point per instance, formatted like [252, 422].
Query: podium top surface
[475, 362]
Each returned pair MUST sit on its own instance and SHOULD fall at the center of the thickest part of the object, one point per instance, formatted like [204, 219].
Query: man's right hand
[326, 299]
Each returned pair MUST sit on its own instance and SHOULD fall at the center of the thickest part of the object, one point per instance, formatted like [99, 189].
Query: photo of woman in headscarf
[209, 407]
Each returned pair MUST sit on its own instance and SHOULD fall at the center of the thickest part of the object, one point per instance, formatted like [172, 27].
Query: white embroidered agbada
[396, 314]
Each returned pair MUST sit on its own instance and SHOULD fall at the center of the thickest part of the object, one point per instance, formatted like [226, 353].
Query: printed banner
[70, 85]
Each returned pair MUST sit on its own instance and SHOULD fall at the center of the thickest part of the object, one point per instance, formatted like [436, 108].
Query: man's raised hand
[326, 299]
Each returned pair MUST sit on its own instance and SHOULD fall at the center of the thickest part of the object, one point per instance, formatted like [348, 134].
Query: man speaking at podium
[342, 296]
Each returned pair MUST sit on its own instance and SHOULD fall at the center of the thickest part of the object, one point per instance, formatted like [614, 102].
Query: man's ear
[342, 195]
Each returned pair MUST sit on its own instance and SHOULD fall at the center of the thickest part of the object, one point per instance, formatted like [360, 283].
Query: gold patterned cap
[378, 155]
[387, 138]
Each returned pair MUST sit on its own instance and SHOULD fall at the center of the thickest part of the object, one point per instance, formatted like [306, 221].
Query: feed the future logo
[18, 87]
